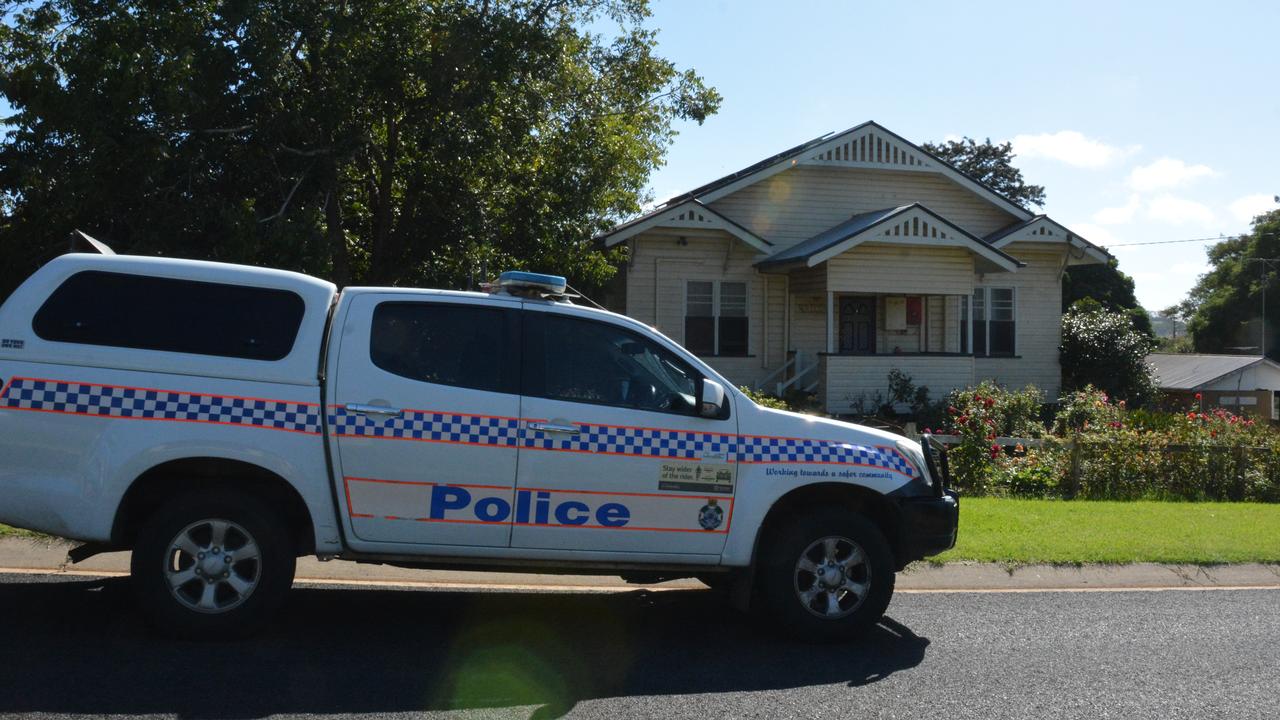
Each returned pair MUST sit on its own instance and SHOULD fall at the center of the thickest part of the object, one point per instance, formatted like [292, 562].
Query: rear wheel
[212, 565]
[826, 574]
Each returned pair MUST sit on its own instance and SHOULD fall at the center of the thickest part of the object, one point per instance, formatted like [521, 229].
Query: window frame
[533, 380]
[967, 306]
[42, 318]
[716, 305]
[509, 382]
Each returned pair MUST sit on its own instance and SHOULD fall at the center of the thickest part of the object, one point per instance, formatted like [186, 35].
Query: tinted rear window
[151, 313]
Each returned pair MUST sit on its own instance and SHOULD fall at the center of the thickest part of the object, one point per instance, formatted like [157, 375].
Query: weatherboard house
[828, 265]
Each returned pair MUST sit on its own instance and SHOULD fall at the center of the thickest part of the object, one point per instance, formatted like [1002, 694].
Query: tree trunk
[385, 254]
[336, 236]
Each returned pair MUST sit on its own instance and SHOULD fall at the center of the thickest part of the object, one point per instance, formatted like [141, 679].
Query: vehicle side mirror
[711, 400]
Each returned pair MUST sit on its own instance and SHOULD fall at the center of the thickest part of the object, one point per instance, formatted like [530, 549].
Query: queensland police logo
[710, 516]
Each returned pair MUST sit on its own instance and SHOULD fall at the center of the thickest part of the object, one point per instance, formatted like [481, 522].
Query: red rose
[1199, 396]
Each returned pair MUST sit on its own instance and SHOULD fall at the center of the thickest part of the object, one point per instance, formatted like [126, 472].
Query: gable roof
[1192, 371]
[866, 145]
[912, 224]
[688, 214]
[1042, 228]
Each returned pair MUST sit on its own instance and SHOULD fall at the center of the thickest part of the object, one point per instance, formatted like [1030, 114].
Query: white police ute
[221, 421]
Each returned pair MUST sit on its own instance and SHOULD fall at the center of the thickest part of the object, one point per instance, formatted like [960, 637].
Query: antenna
[80, 237]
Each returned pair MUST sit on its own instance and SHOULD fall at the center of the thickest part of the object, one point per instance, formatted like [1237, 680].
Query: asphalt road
[75, 646]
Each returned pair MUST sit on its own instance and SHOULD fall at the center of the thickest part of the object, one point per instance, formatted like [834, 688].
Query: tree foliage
[1224, 309]
[1109, 286]
[1103, 349]
[991, 164]
[380, 141]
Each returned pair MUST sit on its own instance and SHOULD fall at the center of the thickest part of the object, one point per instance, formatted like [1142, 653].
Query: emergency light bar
[515, 281]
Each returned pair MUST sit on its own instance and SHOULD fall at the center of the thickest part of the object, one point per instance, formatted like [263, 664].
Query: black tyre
[212, 565]
[825, 574]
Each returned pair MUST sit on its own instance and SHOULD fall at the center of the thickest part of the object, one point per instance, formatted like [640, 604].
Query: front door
[613, 457]
[858, 325]
[425, 416]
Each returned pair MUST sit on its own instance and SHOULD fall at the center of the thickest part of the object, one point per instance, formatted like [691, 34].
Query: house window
[715, 317]
[994, 324]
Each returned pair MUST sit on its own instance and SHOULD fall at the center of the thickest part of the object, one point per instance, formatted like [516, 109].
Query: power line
[1170, 242]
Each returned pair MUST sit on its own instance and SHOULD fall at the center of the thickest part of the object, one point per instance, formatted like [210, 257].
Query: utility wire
[1170, 242]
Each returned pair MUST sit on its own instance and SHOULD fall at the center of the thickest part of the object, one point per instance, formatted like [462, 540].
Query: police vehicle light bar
[518, 280]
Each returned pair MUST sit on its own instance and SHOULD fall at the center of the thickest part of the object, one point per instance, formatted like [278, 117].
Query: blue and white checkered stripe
[640, 442]
[428, 426]
[147, 404]
[755, 449]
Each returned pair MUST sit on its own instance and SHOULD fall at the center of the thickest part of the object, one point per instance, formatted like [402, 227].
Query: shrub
[979, 415]
[1103, 349]
[1086, 409]
[763, 399]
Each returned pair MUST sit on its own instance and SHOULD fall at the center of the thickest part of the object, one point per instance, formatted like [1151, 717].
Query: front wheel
[826, 574]
[212, 565]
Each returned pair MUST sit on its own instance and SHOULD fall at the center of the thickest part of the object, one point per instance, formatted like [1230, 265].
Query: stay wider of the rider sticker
[700, 477]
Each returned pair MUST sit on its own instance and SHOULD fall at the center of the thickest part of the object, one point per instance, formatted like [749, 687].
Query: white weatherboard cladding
[876, 267]
[854, 379]
[657, 277]
[804, 201]
[1038, 313]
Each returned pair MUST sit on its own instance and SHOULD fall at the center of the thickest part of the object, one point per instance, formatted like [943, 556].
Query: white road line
[1118, 588]
[602, 589]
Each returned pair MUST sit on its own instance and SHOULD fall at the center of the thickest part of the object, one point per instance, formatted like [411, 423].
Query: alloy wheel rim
[212, 566]
[832, 577]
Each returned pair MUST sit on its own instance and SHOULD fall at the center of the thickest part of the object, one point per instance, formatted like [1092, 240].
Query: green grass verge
[1053, 531]
[1023, 532]
[6, 531]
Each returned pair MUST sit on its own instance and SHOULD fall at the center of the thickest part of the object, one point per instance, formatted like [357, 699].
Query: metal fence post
[1073, 488]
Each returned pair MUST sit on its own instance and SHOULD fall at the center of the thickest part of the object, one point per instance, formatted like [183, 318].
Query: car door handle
[373, 410]
[554, 428]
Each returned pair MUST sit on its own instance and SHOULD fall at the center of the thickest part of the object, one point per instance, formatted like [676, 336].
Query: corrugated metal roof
[825, 239]
[1189, 371]
[999, 235]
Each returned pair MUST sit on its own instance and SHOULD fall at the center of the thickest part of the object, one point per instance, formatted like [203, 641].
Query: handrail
[765, 380]
[800, 374]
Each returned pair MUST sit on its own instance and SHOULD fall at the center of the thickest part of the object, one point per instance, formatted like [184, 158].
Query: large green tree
[1110, 287]
[1225, 307]
[992, 164]
[381, 141]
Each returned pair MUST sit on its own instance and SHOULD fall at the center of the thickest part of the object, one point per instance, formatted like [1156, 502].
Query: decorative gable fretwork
[692, 217]
[1038, 229]
[868, 148]
[916, 227]
[688, 214]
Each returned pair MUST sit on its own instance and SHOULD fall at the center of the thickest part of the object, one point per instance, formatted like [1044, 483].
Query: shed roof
[1192, 371]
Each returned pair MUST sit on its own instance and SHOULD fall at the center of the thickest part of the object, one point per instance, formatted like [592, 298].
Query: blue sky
[1144, 121]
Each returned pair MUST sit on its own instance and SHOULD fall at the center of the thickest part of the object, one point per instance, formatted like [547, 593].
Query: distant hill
[1167, 327]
